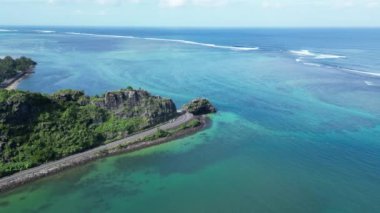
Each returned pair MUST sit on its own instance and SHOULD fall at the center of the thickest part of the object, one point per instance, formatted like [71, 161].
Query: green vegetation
[37, 128]
[191, 124]
[9, 67]
[159, 134]
[163, 134]
[116, 128]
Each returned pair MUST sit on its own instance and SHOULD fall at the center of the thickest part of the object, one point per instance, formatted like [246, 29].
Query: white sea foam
[99, 35]
[328, 56]
[204, 44]
[73, 33]
[6, 30]
[44, 31]
[369, 74]
[308, 53]
[302, 52]
[312, 64]
[369, 83]
[172, 40]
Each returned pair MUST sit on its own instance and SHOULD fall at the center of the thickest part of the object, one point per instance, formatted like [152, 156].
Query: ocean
[298, 127]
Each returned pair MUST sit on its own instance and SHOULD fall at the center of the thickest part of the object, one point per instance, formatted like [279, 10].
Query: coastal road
[169, 125]
[42, 170]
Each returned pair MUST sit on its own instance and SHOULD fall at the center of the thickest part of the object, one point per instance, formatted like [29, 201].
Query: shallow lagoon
[289, 137]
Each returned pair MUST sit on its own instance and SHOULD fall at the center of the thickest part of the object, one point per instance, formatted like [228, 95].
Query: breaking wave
[362, 73]
[347, 70]
[235, 48]
[99, 35]
[308, 53]
[6, 30]
[44, 31]
[369, 83]
[312, 64]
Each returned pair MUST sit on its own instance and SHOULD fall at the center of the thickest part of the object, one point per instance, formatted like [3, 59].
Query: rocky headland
[12, 71]
[128, 103]
[36, 128]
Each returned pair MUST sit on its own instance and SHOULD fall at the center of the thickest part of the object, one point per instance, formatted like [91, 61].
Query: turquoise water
[297, 131]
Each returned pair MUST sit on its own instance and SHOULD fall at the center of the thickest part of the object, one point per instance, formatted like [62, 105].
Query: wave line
[235, 48]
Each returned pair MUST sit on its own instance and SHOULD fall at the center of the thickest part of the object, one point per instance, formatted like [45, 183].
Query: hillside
[36, 128]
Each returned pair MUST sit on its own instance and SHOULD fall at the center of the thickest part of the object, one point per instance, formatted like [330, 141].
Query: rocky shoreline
[27, 176]
[12, 83]
[17, 81]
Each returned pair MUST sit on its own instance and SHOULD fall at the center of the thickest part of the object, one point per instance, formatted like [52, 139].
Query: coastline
[17, 81]
[12, 83]
[125, 145]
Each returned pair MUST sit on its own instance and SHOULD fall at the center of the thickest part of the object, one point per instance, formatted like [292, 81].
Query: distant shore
[17, 81]
[12, 83]
[129, 144]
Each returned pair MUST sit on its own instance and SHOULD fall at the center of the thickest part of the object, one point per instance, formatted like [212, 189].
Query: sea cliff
[129, 103]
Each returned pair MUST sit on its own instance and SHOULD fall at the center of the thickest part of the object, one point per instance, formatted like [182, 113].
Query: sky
[192, 13]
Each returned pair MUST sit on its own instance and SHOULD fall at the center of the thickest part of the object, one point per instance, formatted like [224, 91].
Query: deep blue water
[298, 128]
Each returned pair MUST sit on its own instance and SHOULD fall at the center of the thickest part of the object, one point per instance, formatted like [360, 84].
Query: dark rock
[199, 106]
[68, 95]
[138, 103]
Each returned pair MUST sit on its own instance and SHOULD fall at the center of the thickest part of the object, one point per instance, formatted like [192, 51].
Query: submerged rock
[199, 106]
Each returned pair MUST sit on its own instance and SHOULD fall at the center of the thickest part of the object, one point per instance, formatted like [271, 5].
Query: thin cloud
[202, 3]
[172, 3]
[265, 4]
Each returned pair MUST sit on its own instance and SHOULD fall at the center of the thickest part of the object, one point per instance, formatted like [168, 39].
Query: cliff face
[23, 106]
[138, 103]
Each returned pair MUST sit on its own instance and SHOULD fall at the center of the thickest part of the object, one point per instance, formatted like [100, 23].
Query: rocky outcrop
[68, 95]
[138, 103]
[199, 106]
[71, 96]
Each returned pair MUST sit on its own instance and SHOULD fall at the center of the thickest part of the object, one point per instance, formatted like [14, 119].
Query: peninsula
[42, 134]
[14, 70]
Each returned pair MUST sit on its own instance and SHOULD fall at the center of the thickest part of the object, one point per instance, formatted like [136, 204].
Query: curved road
[44, 169]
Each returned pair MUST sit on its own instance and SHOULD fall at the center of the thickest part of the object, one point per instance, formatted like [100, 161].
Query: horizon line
[200, 27]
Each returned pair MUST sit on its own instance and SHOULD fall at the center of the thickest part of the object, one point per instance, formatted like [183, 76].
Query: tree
[10, 66]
